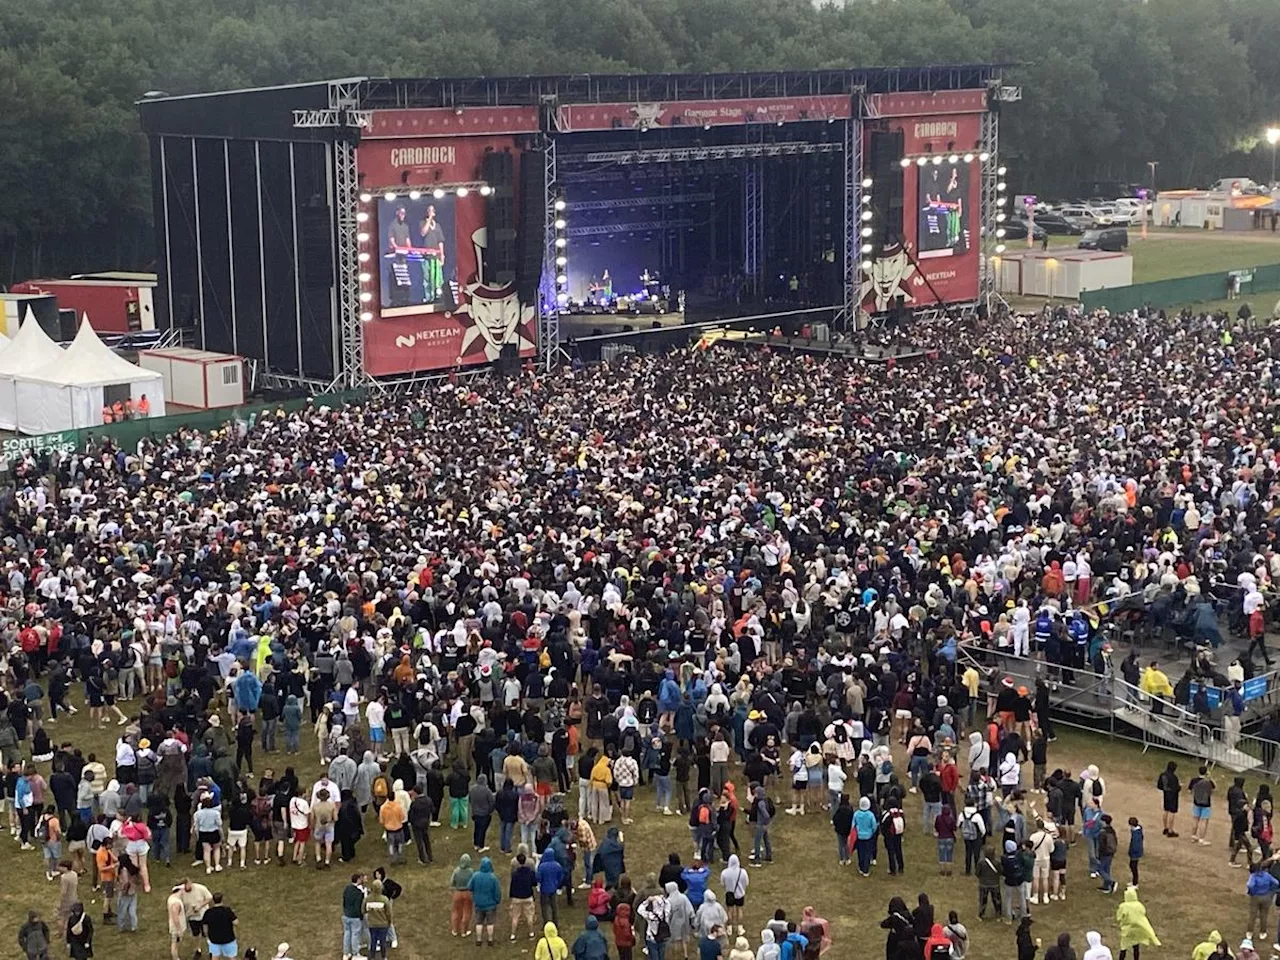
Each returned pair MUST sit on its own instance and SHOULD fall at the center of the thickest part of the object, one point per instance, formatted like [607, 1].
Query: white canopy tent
[30, 349]
[70, 392]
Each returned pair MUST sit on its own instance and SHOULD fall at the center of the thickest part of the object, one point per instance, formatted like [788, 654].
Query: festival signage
[451, 122]
[54, 444]
[575, 118]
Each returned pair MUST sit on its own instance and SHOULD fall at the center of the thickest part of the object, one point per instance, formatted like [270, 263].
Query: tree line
[1108, 84]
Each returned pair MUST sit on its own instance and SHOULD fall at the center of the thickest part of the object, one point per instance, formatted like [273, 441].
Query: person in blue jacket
[248, 691]
[486, 894]
[610, 858]
[695, 878]
[550, 880]
[792, 948]
[864, 835]
[668, 700]
[1261, 888]
[591, 944]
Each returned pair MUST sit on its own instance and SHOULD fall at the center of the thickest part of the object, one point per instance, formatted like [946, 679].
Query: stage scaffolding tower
[851, 264]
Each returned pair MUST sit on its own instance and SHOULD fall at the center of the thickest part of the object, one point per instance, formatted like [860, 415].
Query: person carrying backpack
[1011, 869]
[893, 824]
[702, 821]
[973, 830]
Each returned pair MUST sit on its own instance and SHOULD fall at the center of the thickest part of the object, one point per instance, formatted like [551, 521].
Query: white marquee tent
[70, 392]
[29, 350]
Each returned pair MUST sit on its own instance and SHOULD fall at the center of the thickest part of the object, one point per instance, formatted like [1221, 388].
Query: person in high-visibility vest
[117, 411]
[106, 413]
[128, 409]
[144, 406]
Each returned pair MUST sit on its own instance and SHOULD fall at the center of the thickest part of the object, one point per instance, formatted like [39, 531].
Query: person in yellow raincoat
[1204, 951]
[1136, 931]
[1155, 683]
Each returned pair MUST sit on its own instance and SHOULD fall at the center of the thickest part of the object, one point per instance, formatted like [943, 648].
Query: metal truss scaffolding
[752, 217]
[851, 269]
[549, 351]
[345, 119]
[988, 208]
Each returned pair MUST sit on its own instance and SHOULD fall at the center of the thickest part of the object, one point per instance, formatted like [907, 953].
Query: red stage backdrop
[470, 317]
[699, 113]
[941, 228]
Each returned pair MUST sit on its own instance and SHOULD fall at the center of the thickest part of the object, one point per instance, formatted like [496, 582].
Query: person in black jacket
[421, 813]
[1027, 945]
[900, 943]
[672, 872]
[1062, 950]
[842, 823]
[269, 709]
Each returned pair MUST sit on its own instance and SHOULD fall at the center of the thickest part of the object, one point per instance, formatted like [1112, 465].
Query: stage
[361, 230]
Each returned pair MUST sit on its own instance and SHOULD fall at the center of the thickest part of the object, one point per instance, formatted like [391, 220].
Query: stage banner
[941, 238]
[575, 118]
[925, 104]
[452, 122]
[436, 304]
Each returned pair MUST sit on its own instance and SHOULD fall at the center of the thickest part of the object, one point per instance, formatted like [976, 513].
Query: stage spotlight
[562, 279]
[414, 194]
[968, 158]
[366, 316]
[560, 224]
[953, 159]
[866, 215]
[561, 242]
[1001, 232]
[1000, 218]
[937, 161]
[362, 237]
[366, 296]
[866, 265]
[866, 184]
[363, 256]
[366, 197]
[1002, 186]
[562, 298]
[920, 162]
[389, 196]
[867, 231]
[559, 205]
[779, 123]
[999, 248]
[486, 190]
[1000, 171]
[462, 191]
[365, 276]
[984, 156]
[866, 198]
[866, 248]
[561, 261]
[905, 162]
[438, 193]
[362, 217]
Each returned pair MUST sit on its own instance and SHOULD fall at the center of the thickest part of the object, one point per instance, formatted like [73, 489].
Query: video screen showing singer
[415, 257]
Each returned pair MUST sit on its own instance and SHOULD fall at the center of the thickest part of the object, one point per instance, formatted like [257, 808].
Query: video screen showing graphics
[943, 202]
[417, 252]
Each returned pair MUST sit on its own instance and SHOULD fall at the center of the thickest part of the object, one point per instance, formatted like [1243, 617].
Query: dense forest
[1109, 84]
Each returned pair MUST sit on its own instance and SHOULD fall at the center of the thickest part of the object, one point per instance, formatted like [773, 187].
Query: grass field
[1166, 254]
[1187, 889]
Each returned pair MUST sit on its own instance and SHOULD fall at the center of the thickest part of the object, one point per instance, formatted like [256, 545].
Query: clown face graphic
[888, 280]
[497, 316]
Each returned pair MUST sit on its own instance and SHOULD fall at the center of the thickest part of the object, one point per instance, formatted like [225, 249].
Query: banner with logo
[935, 256]
[578, 117]
[436, 304]
[14, 449]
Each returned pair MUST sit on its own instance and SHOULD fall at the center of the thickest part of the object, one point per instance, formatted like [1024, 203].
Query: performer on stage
[432, 256]
[398, 233]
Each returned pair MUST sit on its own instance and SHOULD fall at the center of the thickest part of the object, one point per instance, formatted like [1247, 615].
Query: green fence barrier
[128, 433]
[1184, 290]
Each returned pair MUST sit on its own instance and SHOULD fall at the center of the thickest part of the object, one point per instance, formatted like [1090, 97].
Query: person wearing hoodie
[528, 812]
[610, 858]
[1261, 889]
[979, 753]
[591, 944]
[520, 891]
[624, 931]
[1096, 951]
[550, 880]
[291, 721]
[247, 692]
[711, 915]
[679, 918]
[1062, 950]
[1136, 931]
[366, 772]
[506, 804]
[735, 880]
[1207, 948]
[864, 835]
[768, 949]
[481, 800]
[378, 920]
[486, 894]
[937, 946]
[552, 945]
[461, 906]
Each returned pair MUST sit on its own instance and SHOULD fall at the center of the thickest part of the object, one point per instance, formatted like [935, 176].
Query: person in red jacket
[624, 933]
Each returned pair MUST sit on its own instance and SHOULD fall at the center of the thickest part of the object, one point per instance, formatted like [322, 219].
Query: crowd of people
[708, 584]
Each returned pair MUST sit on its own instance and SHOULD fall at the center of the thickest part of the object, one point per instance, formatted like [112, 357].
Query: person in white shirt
[351, 706]
[300, 824]
[836, 778]
[375, 715]
[626, 774]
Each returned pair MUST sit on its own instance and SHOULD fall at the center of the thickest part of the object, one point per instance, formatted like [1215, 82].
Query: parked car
[1079, 214]
[1056, 223]
[1016, 229]
[1113, 239]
